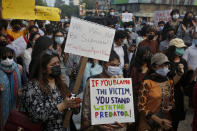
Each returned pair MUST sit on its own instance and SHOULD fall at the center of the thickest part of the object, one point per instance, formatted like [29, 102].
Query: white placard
[89, 39]
[19, 46]
[162, 16]
[111, 101]
[127, 17]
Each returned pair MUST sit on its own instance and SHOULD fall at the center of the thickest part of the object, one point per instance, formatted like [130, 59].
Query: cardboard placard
[127, 17]
[111, 101]
[47, 13]
[19, 46]
[18, 9]
[89, 39]
[162, 16]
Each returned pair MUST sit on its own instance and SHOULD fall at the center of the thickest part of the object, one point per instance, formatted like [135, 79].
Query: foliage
[41, 2]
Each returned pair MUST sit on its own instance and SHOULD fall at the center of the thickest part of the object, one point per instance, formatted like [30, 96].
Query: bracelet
[149, 115]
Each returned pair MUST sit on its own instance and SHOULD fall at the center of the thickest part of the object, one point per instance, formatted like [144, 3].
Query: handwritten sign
[19, 46]
[111, 100]
[162, 16]
[89, 39]
[47, 13]
[18, 9]
[127, 17]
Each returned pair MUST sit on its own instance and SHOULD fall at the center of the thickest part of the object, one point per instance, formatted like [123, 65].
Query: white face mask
[7, 62]
[112, 13]
[112, 70]
[163, 71]
[124, 42]
[59, 40]
[176, 16]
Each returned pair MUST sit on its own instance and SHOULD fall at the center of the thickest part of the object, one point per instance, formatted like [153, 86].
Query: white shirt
[190, 56]
[120, 52]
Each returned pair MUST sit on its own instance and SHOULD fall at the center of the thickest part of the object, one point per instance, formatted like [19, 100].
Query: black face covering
[55, 71]
[171, 36]
[16, 28]
[151, 37]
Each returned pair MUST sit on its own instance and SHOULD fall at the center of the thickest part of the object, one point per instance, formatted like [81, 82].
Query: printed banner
[111, 101]
[127, 17]
[89, 39]
[47, 13]
[18, 9]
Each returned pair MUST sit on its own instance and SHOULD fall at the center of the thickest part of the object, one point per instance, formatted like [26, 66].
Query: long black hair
[185, 19]
[32, 36]
[41, 44]
[142, 56]
[45, 58]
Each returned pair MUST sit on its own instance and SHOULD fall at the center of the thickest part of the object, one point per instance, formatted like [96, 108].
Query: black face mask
[171, 36]
[55, 71]
[151, 37]
[16, 28]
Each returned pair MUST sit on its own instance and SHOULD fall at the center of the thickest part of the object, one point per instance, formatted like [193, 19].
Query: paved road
[186, 124]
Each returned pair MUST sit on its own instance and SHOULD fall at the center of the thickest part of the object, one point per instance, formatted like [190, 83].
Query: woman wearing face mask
[178, 66]
[28, 51]
[59, 45]
[156, 97]
[173, 23]
[46, 99]
[110, 70]
[187, 28]
[10, 84]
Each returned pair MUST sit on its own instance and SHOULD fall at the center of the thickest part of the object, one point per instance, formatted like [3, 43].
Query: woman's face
[161, 66]
[115, 63]
[53, 62]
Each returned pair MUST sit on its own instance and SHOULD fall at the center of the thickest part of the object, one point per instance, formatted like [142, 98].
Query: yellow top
[16, 35]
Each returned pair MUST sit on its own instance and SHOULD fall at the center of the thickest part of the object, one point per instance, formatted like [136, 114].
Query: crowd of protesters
[161, 60]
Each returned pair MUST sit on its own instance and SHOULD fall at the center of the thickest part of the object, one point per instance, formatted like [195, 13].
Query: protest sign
[89, 39]
[162, 16]
[127, 17]
[18, 9]
[19, 46]
[47, 13]
[111, 101]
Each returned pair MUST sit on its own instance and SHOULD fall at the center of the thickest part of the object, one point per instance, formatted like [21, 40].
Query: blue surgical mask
[49, 36]
[161, 28]
[112, 70]
[130, 29]
[59, 40]
[112, 13]
[163, 71]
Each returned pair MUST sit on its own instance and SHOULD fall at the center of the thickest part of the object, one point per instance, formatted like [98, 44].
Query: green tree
[59, 3]
[41, 2]
[90, 4]
[69, 10]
